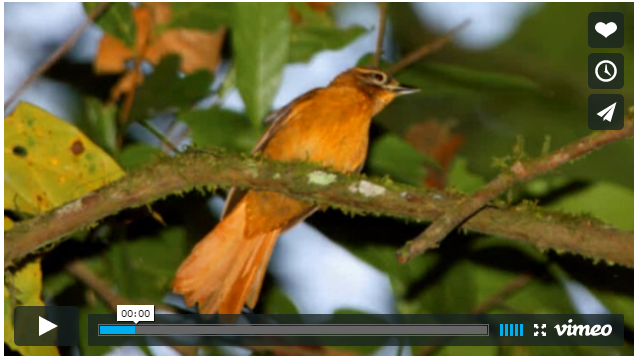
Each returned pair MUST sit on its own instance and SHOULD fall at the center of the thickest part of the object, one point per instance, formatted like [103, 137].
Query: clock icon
[605, 71]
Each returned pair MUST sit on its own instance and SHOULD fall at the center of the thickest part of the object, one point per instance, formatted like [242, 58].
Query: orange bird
[329, 126]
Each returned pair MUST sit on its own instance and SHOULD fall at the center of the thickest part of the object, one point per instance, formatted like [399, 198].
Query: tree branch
[380, 34]
[59, 52]
[353, 193]
[426, 49]
[519, 172]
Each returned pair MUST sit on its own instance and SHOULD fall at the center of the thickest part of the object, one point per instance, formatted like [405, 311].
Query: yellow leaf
[8, 224]
[23, 288]
[49, 162]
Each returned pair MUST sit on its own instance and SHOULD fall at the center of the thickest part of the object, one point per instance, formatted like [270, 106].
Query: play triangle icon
[45, 326]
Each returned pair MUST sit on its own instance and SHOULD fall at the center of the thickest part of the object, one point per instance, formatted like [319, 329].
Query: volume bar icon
[511, 329]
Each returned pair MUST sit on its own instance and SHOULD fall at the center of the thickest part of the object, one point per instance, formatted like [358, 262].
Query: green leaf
[136, 155]
[450, 283]
[454, 293]
[477, 78]
[607, 201]
[140, 269]
[277, 302]
[393, 156]
[261, 33]
[56, 283]
[462, 178]
[315, 32]
[220, 128]
[401, 275]
[99, 123]
[165, 90]
[117, 21]
[206, 16]
[143, 268]
[466, 87]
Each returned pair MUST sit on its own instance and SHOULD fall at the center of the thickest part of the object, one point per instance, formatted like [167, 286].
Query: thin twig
[158, 134]
[59, 52]
[381, 34]
[503, 294]
[80, 270]
[354, 193]
[427, 49]
[519, 172]
[493, 301]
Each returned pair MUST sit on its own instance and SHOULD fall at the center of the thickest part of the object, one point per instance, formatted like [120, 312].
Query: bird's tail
[226, 268]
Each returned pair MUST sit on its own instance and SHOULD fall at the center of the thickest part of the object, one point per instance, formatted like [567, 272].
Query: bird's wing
[280, 117]
[276, 119]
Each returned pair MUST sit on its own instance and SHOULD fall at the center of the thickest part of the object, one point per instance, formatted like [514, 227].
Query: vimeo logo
[584, 330]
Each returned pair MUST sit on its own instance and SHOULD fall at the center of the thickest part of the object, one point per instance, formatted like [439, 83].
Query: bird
[328, 126]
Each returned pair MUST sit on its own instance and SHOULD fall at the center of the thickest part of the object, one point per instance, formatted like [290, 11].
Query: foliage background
[476, 101]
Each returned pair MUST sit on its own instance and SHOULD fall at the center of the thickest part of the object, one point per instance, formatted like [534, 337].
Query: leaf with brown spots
[49, 162]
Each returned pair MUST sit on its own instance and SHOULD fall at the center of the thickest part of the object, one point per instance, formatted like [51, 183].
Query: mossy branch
[353, 193]
[520, 171]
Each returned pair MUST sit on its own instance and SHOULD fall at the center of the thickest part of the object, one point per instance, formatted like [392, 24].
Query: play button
[45, 326]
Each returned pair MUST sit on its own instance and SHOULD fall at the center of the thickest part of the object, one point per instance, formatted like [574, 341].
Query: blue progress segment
[116, 329]
[511, 329]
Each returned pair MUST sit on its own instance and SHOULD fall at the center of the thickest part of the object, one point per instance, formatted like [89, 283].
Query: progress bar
[297, 329]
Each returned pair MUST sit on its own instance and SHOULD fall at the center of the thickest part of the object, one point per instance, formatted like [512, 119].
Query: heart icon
[605, 29]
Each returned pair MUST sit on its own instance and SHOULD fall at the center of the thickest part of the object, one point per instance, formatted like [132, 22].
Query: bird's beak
[400, 89]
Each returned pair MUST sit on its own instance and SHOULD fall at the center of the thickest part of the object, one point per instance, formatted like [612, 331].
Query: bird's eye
[378, 77]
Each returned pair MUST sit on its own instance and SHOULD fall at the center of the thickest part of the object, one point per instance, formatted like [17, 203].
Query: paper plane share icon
[607, 113]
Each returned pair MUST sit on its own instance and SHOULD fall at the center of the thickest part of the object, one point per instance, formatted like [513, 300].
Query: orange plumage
[328, 126]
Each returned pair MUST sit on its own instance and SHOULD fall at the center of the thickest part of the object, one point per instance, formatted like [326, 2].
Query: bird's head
[380, 86]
